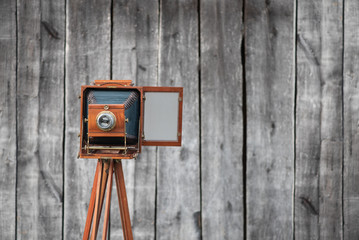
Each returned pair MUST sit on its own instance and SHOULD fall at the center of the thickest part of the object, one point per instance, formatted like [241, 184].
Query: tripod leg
[101, 194]
[97, 202]
[92, 203]
[122, 200]
[108, 201]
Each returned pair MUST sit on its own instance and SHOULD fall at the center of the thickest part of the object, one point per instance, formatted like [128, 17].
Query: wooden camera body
[117, 118]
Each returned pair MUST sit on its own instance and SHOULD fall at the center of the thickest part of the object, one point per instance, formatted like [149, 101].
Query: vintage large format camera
[117, 118]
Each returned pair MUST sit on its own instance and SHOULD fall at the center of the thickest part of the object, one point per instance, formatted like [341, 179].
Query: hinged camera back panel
[162, 116]
[117, 118]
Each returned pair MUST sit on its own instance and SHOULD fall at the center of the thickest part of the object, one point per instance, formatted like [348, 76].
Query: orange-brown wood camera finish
[106, 84]
[126, 84]
[113, 82]
[117, 109]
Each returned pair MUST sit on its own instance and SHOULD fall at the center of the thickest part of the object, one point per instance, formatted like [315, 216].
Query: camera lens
[106, 121]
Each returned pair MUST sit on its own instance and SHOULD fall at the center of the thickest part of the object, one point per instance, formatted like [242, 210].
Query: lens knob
[106, 121]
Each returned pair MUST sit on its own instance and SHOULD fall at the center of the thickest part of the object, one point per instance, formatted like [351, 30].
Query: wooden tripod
[103, 178]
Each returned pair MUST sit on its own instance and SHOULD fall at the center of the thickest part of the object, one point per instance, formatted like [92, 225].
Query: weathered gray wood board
[40, 71]
[135, 57]
[88, 57]
[351, 117]
[7, 119]
[178, 170]
[308, 109]
[221, 119]
[318, 194]
[270, 107]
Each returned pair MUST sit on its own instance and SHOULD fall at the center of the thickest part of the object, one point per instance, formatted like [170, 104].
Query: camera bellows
[129, 98]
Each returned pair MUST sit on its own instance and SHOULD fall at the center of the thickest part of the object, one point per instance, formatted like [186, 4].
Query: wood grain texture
[178, 169]
[318, 193]
[88, 53]
[270, 110]
[135, 53]
[351, 117]
[7, 119]
[308, 119]
[221, 119]
[40, 119]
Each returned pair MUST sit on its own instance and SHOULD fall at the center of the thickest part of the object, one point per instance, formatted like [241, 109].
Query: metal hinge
[180, 99]
[144, 97]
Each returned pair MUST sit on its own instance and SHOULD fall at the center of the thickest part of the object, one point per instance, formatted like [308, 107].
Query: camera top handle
[124, 83]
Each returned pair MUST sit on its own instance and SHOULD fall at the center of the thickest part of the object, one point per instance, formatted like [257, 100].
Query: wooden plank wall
[270, 130]
[270, 107]
[350, 120]
[40, 119]
[222, 131]
[319, 149]
[8, 136]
